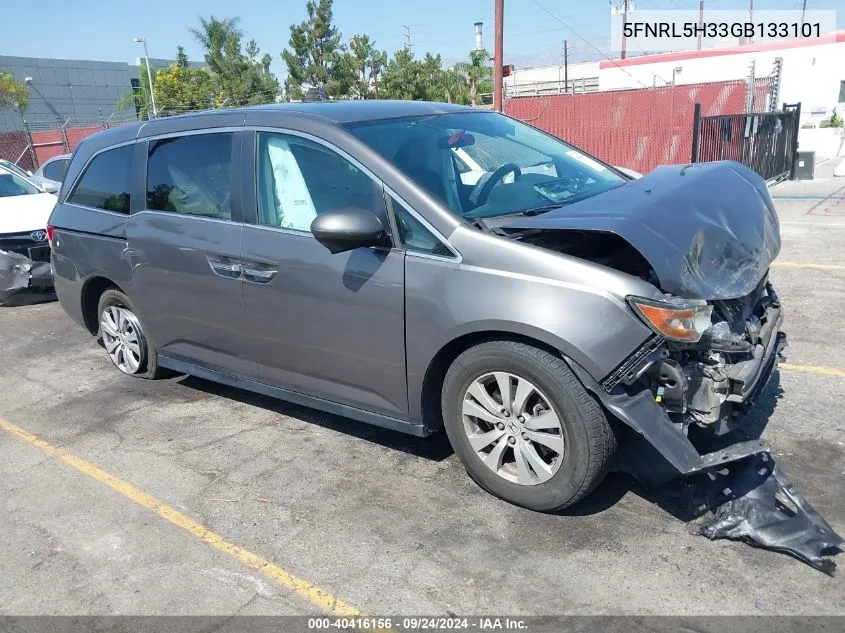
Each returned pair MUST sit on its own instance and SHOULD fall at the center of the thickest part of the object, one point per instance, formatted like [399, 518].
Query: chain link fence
[41, 140]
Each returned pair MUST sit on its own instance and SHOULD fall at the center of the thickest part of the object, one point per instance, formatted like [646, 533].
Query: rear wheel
[124, 337]
[524, 427]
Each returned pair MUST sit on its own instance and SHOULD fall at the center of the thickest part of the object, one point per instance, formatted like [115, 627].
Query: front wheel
[124, 337]
[524, 427]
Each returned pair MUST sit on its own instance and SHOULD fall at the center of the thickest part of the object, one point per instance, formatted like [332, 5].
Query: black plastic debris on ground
[753, 501]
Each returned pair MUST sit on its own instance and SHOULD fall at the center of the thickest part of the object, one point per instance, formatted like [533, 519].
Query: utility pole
[624, 22]
[407, 37]
[751, 18]
[498, 55]
[566, 66]
[701, 21]
[803, 11]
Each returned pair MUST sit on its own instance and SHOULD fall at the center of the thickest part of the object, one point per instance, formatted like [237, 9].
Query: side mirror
[341, 230]
[49, 187]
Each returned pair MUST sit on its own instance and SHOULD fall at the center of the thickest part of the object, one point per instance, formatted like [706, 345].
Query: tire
[588, 440]
[147, 359]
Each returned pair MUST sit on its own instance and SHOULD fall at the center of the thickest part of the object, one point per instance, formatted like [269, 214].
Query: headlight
[681, 320]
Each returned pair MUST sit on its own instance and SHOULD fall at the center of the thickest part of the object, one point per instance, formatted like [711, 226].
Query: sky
[534, 29]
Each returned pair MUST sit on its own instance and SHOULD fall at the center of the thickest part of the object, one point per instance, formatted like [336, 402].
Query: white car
[24, 247]
[50, 175]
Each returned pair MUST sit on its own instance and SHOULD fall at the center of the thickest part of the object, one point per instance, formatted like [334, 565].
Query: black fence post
[696, 132]
[795, 141]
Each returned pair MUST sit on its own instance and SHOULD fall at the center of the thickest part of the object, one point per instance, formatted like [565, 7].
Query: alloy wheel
[513, 428]
[123, 338]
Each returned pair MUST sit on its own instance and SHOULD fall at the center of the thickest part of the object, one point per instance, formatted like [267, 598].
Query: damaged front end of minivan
[704, 236]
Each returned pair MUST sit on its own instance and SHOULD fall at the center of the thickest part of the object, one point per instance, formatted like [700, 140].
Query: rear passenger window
[298, 179]
[191, 175]
[105, 184]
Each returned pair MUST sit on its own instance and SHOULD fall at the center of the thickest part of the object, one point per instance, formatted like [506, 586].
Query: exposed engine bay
[712, 382]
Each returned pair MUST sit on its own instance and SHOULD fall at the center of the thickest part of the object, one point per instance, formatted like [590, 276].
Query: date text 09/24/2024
[418, 623]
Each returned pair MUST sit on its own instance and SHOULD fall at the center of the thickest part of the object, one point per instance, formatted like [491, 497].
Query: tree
[476, 74]
[316, 57]
[181, 57]
[13, 93]
[364, 61]
[180, 88]
[401, 78]
[239, 78]
[405, 77]
[451, 88]
[137, 100]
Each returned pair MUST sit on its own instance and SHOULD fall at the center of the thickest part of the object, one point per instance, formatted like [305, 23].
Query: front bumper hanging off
[735, 492]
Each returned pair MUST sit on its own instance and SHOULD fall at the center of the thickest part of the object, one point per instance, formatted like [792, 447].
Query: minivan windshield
[484, 165]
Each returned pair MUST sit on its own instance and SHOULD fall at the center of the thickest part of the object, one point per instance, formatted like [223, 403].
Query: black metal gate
[767, 142]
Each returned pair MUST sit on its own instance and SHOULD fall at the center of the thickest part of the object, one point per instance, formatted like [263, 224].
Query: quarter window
[298, 179]
[413, 234]
[191, 175]
[56, 170]
[106, 181]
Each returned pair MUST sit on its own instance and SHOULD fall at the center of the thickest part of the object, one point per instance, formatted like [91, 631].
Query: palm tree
[476, 74]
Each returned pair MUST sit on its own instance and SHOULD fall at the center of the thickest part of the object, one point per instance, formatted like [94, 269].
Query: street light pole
[141, 40]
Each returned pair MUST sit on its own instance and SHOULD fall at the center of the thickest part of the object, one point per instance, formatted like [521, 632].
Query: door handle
[224, 266]
[258, 275]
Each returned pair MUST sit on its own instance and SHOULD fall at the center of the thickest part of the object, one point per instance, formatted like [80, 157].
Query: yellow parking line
[303, 588]
[808, 266]
[813, 369]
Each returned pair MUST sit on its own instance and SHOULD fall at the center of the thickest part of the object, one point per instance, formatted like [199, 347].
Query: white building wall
[552, 73]
[811, 74]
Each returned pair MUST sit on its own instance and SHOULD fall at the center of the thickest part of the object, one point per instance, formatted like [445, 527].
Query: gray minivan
[417, 265]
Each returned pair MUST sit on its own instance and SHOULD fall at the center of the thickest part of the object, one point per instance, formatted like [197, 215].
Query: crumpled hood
[19, 214]
[709, 230]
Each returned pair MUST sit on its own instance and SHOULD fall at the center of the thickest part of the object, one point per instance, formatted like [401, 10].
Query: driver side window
[298, 179]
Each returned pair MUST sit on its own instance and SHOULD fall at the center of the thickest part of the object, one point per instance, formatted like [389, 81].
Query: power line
[586, 41]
